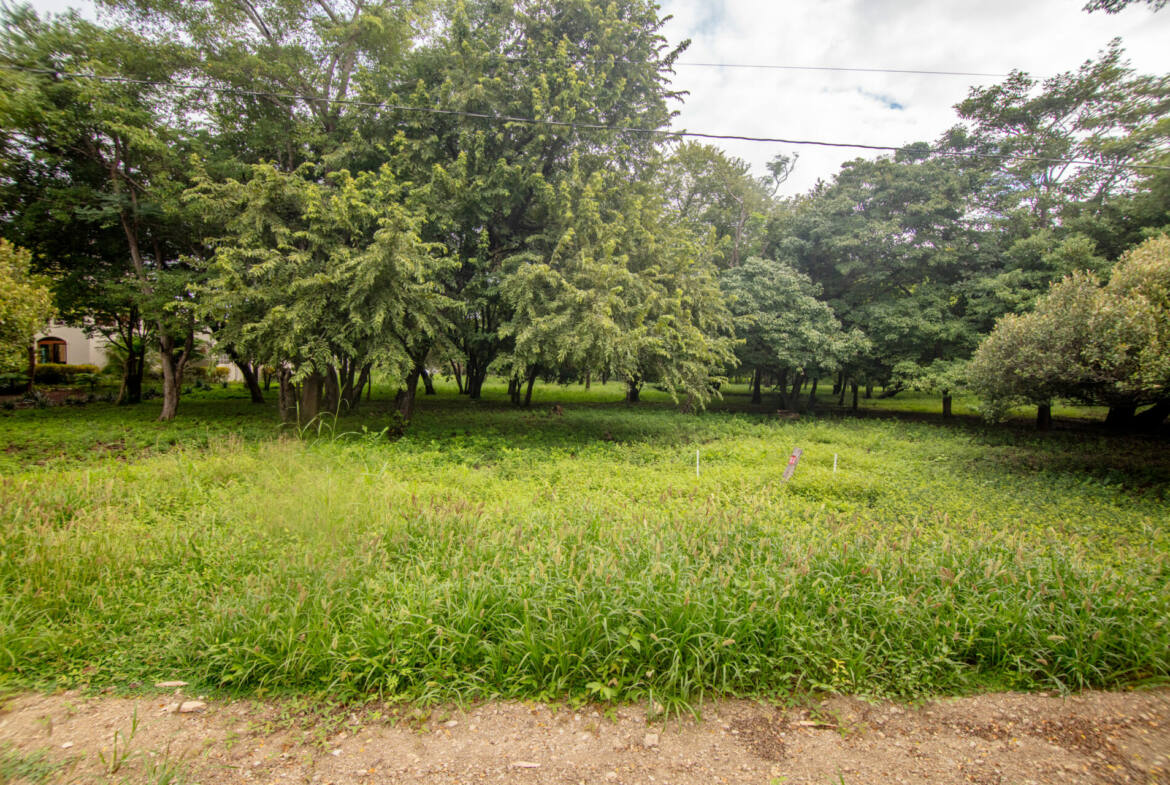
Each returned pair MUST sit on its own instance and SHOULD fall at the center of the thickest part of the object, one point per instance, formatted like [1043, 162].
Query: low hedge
[60, 373]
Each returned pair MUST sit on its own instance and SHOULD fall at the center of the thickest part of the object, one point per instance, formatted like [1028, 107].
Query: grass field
[504, 552]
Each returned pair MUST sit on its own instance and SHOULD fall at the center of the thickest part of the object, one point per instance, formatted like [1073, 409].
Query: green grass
[503, 552]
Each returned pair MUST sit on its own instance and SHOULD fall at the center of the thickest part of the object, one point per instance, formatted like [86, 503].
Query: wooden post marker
[792, 461]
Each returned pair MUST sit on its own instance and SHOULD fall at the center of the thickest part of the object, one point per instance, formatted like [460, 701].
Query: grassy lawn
[503, 552]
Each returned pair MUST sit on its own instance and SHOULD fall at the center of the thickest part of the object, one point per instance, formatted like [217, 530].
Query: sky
[1041, 37]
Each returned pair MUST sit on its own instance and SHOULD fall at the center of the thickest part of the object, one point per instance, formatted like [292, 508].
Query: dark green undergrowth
[499, 552]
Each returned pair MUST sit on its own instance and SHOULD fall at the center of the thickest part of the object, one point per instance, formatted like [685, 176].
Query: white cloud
[1042, 37]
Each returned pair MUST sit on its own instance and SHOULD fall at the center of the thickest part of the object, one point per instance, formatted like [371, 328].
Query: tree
[323, 276]
[615, 286]
[896, 251]
[118, 144]
[1105, 345]
[711, 191]
[26, 305]
[489, 185]
[783, 328]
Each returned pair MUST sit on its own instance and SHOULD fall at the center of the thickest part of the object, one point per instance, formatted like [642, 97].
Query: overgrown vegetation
[494, 551]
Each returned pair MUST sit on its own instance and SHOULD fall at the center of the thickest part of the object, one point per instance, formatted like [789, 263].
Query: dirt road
[1004, 738]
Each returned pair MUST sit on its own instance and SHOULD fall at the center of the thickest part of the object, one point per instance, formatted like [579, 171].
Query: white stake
[834, 463]
[696, 463]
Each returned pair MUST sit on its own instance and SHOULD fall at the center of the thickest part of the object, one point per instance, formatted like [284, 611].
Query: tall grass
[495, 552]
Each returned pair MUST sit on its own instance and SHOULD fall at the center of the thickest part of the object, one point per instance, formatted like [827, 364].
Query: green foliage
[1106, 345]
[314, 269]
[494, 552]
[780, 321]
[60, 373]
[25, 305]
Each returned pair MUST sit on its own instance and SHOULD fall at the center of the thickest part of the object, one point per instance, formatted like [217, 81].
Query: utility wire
[777, 67]
[504, 118]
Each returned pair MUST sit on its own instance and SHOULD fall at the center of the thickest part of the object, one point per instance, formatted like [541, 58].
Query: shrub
[12, 383]
[59, 373]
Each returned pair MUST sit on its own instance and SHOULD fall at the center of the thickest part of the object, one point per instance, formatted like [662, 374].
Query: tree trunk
[1154, 416]
[839, 384]
[310, 398]
[330, 390]
[458, 376]
[475, 380]
[32, 368]
[133, 369]
[251, 379]
[797, 384]
[587, 380]
[946, 403]
[268, 374]
[428, 382]
[841, 397]
[1044, 417]
[757, 395]
[514, 390]
[287, 400]
[782, 386]
[868, 391]
[351, 394]
[1120, 417]
[855, 389]
[528, 392]
[890, 392]
[406, 396]
[812, 396]
[172, 368]
[633, 390]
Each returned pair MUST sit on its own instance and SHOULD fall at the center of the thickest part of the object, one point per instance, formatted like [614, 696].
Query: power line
[914, 71]
[504, 118]
[779, 67]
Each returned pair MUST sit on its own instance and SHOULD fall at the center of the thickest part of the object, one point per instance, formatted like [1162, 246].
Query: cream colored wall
[80, 349]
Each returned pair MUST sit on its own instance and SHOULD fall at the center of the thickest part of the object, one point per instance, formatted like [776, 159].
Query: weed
[33, 767]
[120, 750]
[495, 552]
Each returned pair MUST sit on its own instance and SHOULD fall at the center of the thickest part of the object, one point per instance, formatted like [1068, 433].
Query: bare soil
[1013, 739]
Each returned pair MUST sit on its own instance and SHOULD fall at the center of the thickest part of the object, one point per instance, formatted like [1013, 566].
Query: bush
[219, 373]
[59, 373]
[12, 383]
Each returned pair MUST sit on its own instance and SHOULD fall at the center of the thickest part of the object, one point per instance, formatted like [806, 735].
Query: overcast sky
[1042, 37]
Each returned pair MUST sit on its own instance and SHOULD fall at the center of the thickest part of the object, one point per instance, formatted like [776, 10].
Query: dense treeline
[262, 172]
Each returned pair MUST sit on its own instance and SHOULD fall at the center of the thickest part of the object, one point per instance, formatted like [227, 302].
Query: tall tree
[121, 142]
[323, 277]
[488, 182]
